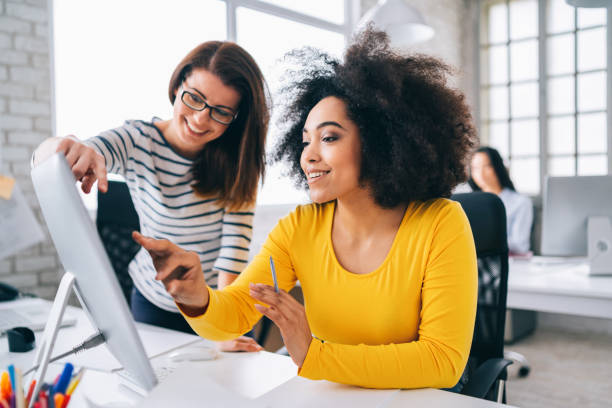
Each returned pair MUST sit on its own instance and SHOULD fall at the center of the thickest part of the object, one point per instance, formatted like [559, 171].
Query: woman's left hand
[290, 317]
[242, 343]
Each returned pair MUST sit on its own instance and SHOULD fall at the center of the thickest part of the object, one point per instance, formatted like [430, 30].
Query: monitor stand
[47, 341]
[599, 245]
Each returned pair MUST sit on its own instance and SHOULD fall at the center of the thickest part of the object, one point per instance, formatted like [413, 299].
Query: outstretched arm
[180, 272]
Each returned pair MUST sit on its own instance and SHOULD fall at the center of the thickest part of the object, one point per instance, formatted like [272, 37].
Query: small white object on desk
[194, 353]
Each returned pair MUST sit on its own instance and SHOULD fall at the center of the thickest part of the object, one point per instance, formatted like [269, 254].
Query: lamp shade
[404, 24]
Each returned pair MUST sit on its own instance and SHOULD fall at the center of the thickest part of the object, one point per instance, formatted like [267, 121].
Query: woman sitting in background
[386, 263]
[489, 174]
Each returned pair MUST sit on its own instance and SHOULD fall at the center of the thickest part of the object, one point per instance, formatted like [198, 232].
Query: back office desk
[560, 288]
[266, 379]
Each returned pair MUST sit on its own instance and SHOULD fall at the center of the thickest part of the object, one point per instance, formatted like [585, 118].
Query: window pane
[498, 23]
[525, 137]
[561, 95]
[560, 16]
[592, 165]
[498, 102]
[118, 61]
[591, 49]
[591, 91]
[498, 65]
[589, 17]
[498, 137]
[561, 135]
[561, 166]
[560, 54]
[259, 34]
[525, 175]
[523, 19]
[524, 60]
[483, 133]
[330, 10]
[525, 100]
[592, 133]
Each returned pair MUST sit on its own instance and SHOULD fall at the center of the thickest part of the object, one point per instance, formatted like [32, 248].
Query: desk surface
[562, 288]
[265, 379]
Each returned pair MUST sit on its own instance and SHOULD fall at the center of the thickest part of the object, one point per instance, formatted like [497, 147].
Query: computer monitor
[569, 204]
[82, 254]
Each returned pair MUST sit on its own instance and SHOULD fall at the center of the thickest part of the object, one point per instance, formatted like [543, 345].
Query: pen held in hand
[273, 270]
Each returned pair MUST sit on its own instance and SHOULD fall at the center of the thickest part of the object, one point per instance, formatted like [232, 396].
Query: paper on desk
[304, 393]
[156, 341]
[189, 387]
[18, 226]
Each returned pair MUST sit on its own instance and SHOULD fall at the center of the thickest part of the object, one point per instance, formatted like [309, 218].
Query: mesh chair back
[116, 220]
[487, 216]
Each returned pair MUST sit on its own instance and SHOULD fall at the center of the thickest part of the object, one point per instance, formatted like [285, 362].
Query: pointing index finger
[154, 246]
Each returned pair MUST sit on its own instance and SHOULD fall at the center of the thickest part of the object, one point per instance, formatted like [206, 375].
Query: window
[268, 37]
[114, 61]
[543, 88]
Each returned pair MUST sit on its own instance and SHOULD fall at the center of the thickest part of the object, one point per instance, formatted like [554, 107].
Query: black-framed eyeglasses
[197, 103]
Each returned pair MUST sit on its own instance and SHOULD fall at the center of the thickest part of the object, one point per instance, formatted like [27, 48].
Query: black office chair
[485, 374]
[116, 220]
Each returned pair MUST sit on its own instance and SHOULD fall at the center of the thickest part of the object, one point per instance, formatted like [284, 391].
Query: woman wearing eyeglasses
[386, 262]
[193, 178]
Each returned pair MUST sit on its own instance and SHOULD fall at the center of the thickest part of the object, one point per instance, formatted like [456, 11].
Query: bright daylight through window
[114, 61]
[561, 58]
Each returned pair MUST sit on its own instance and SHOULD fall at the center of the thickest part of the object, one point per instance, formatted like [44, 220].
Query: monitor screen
[568, 204]
[82, 253]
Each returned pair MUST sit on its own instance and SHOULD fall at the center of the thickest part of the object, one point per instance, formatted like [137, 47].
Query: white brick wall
[15, 90]
[25, 121]
[12, 25]
[23, 11]
[6, 266]
[25, 138]
[29, 107]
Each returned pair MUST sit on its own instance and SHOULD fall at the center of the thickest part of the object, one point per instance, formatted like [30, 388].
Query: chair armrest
[485, 376]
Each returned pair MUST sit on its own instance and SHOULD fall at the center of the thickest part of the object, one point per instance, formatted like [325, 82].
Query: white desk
[266, 379]
[565, 289]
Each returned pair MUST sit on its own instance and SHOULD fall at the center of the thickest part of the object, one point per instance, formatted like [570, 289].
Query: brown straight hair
[231, 166]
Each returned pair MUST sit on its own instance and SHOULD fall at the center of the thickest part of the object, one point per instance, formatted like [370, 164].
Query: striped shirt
[160, 183]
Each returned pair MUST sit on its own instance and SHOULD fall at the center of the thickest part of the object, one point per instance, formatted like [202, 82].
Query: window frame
[351, 16]
[352, 11]
[543, 81]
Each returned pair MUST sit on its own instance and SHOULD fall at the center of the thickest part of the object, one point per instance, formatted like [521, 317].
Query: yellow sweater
[407, 324]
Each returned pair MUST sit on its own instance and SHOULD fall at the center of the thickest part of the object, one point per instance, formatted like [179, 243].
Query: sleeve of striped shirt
[235, 241]
[116, 146]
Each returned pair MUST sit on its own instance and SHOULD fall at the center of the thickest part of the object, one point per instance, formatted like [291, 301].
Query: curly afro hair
[416, 132]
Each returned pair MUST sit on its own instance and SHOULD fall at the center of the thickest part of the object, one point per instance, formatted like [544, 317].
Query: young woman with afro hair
[386, 262]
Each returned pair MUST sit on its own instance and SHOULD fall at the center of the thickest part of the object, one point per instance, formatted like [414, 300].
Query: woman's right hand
[86, 164]
[180, 271]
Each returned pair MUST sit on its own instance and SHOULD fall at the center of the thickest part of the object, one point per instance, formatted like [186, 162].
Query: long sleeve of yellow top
[406, 324]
